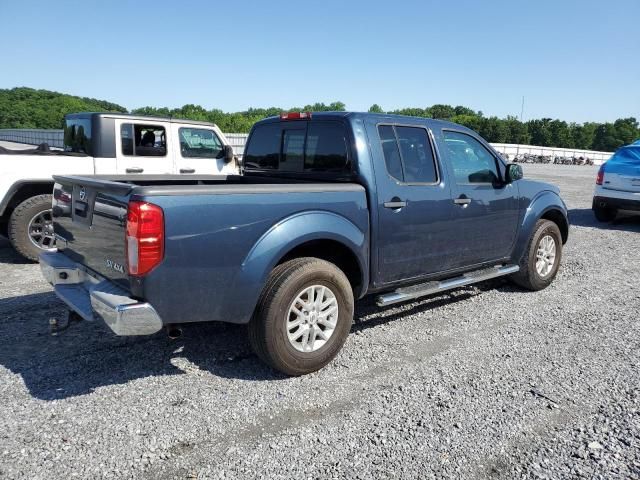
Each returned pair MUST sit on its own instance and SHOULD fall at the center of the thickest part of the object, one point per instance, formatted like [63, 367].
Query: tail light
[145, 237]
[600, 176]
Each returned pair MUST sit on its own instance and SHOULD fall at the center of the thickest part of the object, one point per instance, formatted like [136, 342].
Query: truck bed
[212, 241]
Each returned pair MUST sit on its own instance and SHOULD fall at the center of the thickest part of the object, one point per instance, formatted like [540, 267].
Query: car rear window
[300, 147]
[77, 135]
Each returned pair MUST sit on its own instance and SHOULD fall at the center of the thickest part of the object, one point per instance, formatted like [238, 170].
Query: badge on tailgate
[83, 200]
[118, 267]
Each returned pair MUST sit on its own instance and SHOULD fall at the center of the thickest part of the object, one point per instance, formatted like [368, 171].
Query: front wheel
[31, 227]
[541, 260]
[303, 316]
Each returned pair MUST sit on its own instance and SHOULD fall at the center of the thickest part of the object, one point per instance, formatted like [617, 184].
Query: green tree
[626, 130]
[539, 132]
[442, 112]
[494, 130]
[375, 108]
[560, 134]
[518, 132]
[28, 108]
[23, 107]
[605, 138]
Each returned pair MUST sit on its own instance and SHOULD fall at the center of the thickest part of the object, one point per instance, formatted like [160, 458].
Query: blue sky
[574, 60]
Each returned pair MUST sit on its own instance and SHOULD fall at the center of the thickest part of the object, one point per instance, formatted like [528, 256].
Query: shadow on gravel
[583, 217]
[384, 315]
[88, 356]
[9, 255]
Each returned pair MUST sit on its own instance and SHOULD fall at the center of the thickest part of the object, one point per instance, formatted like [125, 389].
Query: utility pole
[521, 114]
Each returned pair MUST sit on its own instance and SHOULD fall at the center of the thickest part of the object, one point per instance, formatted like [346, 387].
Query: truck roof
[378, 117]
[133, 116]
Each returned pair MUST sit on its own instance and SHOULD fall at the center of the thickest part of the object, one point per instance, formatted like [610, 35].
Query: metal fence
[33, 136]
[511, 150]
[237, 141]
[55, 137]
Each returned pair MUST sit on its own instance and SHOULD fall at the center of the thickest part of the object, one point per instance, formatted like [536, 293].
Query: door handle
[462, 200]
[395, 203]
[135, 170]
[187, 170]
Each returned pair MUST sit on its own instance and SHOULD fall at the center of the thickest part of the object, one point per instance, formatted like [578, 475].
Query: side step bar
[429, 288]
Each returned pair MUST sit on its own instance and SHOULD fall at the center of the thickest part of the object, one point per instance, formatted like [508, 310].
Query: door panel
[414, 229]
[486, 211]
[143, 147]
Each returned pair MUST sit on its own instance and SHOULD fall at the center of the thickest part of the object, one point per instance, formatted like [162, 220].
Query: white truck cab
[102, 144]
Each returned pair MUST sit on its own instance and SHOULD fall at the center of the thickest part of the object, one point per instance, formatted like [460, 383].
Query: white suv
[111, 144]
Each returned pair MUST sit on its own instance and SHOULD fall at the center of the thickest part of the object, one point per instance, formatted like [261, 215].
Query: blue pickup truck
[330, 207]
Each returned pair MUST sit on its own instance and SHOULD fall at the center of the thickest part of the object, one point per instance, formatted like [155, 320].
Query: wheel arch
[546, 205]
[556, 216]
[18, 193]
[319, 234]
[334, 252]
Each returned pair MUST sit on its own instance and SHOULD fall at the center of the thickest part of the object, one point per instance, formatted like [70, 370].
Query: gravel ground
[483, 382]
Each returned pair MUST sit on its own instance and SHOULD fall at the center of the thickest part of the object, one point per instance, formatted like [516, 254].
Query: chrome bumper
[92, 296]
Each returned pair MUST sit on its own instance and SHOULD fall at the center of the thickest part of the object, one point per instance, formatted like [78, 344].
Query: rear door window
[391, 151]
[140, 140]
[408, 154]
[299, 147]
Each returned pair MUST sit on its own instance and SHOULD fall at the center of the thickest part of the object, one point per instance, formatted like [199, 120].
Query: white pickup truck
[101, 144]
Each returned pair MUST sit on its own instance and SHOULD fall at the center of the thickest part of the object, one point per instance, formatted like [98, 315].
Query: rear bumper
[92, 296]
[617, 203]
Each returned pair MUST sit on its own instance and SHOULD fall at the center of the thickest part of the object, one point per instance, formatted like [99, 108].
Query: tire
[605, 214]
[20, 220]
[270, 327]
[529, 276]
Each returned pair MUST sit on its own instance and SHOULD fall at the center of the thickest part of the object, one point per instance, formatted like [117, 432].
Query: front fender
[542, 203]
[283, 237]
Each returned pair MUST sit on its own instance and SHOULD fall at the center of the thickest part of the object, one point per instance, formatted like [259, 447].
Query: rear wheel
[605, 214]
[31, 227]
[303, 316]
[540, 262]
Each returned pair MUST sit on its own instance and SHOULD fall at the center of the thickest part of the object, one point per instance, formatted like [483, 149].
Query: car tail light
[145, 237]
[295, 115]
[600, 176]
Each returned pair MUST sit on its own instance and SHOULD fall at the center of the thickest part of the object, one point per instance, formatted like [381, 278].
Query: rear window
[301, 147]
[77, 135]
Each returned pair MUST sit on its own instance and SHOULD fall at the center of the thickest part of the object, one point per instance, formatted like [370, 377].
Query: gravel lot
[483, 382]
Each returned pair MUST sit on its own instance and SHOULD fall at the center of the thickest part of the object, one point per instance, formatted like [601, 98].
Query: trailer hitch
[55, 326]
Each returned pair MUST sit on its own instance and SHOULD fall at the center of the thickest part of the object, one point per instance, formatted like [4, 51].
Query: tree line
[28, 108]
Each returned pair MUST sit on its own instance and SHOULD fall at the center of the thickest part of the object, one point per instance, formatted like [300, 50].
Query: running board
[429, 288]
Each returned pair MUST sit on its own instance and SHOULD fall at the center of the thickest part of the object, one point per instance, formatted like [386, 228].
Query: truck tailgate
[90, 218]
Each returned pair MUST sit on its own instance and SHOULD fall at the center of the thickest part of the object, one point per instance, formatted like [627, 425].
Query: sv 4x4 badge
[118, 267]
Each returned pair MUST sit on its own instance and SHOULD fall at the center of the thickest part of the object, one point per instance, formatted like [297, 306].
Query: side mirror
[514, 172]
[228, 153]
